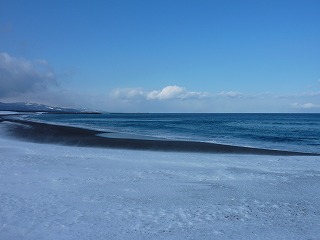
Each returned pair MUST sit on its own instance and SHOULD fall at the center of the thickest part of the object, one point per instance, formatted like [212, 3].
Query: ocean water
[294, 132]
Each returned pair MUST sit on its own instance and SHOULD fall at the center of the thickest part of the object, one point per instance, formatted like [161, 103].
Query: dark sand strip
[48, 133]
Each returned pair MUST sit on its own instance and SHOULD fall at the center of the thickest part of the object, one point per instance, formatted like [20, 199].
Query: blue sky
[162, 56]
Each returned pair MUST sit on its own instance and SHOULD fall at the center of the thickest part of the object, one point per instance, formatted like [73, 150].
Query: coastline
[74, 136]
[60, 189]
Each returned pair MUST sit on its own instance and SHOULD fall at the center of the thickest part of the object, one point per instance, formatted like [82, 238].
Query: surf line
[75, 136]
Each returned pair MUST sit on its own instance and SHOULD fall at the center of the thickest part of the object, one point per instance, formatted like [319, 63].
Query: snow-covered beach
[64, 192]
[159, 119]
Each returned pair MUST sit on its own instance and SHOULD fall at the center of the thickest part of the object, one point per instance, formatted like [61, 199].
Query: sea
[291, 132]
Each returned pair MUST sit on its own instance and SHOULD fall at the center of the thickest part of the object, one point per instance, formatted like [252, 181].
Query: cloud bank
[167, 93]
[174, 92]
[20, 76]
[36, 81]
[305, 105]
[174, 98]
[231, 94]
[127, 93]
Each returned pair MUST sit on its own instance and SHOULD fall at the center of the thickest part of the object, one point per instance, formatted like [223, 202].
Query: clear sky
[162, 55]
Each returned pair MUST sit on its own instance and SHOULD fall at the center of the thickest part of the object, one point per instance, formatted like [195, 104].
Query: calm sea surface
[298, 132]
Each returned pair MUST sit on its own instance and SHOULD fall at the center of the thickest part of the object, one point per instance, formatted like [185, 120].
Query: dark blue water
[296, 132]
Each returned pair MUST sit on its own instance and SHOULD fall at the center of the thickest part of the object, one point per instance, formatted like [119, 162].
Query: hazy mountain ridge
[36, 107]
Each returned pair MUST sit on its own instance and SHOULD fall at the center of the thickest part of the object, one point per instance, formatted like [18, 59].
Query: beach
[74, 189]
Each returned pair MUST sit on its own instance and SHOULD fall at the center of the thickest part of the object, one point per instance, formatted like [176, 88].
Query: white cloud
[167, 93]
[20, 76]
[174, 92]
[127, 93]
[231, 94]
[311, 94]
[305, 105]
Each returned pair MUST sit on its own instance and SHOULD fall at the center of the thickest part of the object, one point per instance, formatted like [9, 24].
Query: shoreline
[75, 136]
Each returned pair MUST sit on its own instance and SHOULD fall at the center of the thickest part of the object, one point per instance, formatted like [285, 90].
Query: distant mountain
[35, 107]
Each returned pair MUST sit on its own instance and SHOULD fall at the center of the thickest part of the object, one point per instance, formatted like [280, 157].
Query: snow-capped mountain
[35, 107]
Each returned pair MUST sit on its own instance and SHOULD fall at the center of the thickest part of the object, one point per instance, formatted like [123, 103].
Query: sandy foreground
[64, 192]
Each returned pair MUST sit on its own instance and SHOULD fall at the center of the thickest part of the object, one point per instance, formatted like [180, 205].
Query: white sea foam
[7, 113]
[60, 192]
